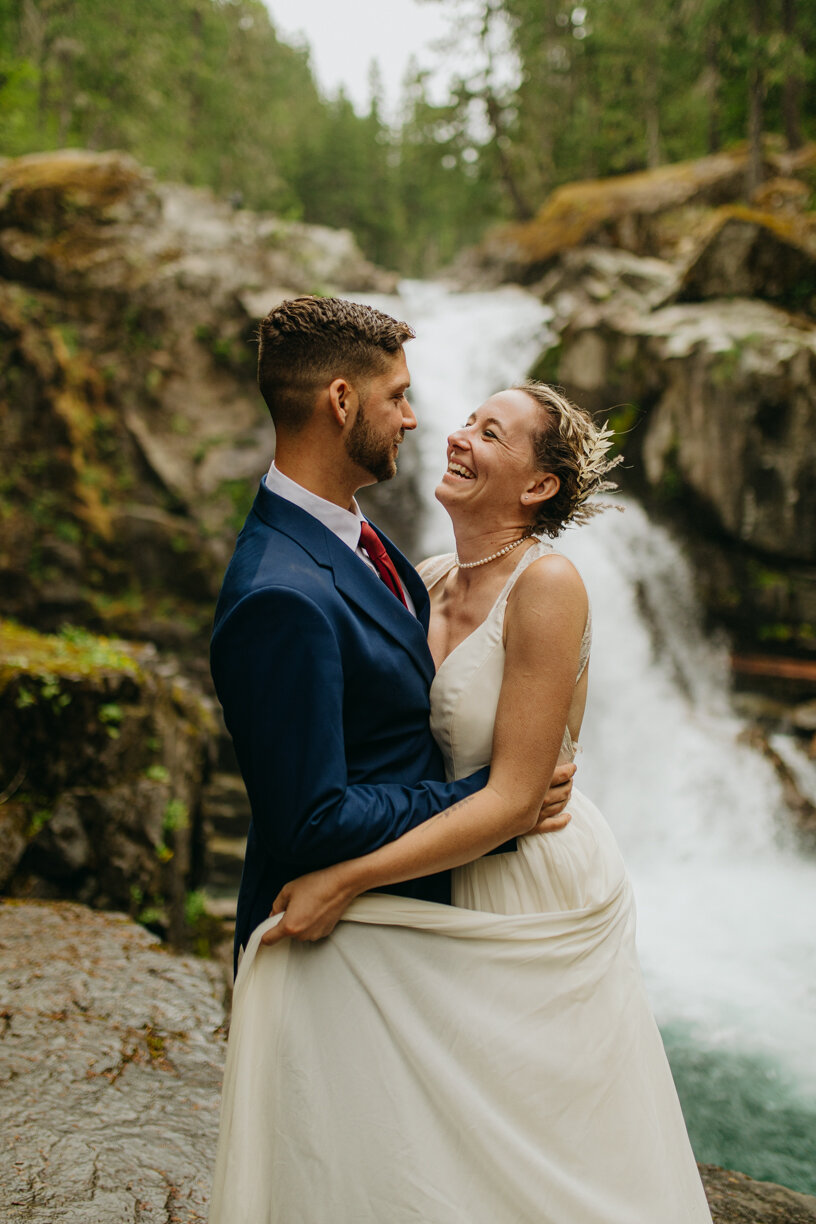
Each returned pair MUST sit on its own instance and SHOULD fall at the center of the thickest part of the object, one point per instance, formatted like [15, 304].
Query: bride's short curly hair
[571, 446]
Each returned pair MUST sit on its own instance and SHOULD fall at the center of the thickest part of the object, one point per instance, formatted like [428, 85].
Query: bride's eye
[488, 433]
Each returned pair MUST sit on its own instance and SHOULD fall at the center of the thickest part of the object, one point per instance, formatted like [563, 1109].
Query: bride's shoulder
[550, 580]
[432, 568]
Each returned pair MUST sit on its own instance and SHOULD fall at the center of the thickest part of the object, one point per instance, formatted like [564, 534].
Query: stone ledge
[112, 1061]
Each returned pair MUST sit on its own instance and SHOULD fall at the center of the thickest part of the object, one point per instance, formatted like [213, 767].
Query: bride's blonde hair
[573, 448]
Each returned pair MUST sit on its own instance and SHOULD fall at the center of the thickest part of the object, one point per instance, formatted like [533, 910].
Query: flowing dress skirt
[436, 1065]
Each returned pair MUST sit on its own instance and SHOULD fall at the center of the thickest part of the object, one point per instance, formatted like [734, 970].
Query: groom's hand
[553, 815]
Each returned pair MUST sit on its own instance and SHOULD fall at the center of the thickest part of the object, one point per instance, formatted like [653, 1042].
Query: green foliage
[176, 816]
[204, 930]
[548, 364]
[611, 86]
[195, 907]
[242, 494]
[157, 773]
[153, 915]
[204, 92]
[38, 821]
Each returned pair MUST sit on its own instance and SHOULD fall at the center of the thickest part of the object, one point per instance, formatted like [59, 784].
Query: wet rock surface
[112, 1055]
[736, 1199]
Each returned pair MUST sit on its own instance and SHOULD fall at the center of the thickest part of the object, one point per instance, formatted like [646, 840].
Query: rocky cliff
[131, 428]
[688, 316]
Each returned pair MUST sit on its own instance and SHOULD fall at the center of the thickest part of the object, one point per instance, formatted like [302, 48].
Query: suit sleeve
[279, 675]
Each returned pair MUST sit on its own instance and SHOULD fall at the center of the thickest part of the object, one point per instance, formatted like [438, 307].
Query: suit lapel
[362, 587]
[352, 577]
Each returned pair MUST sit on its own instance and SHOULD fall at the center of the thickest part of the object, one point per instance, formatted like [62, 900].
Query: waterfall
[726, 903]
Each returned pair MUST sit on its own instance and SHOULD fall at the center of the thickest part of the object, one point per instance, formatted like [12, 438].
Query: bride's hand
[553, 815]
[311, 905]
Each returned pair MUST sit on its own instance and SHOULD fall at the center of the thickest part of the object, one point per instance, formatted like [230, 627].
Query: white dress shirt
[344, 523]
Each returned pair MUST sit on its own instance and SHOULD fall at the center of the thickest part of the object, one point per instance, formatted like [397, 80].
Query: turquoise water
[744, 1113]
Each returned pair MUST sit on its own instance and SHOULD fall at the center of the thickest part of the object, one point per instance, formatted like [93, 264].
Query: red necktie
[373, 545]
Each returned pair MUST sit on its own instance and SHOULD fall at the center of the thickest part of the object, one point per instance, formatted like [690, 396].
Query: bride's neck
[475, 543]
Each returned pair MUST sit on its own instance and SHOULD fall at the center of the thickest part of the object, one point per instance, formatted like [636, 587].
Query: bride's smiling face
[491, 465]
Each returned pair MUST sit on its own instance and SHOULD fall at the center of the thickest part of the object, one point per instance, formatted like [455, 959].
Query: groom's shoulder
[273, 562]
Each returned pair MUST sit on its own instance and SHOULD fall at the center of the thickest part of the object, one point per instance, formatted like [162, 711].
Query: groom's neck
[324, 471]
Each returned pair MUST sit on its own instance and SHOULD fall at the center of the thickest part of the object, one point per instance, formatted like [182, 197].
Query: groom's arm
[279, 673]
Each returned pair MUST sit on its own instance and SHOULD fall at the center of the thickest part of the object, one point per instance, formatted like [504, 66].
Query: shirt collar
[344, 523]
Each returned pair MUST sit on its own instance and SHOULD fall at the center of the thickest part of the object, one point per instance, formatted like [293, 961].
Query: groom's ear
[541, 490]
[340, 393]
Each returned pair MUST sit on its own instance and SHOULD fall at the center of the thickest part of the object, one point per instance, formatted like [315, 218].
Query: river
[726, 902]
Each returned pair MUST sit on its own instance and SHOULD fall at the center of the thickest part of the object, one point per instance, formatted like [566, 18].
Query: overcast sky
[345, 35]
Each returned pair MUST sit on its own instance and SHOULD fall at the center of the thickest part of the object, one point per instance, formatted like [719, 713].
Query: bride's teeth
[456, 469]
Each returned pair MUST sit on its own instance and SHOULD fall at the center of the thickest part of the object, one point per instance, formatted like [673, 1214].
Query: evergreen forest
[542, 92]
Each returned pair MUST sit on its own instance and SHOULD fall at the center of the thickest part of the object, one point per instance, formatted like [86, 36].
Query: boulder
[592, 275]
[629, 211]
[662, 212]
[716, 405]
[103, 755]
[754, 254]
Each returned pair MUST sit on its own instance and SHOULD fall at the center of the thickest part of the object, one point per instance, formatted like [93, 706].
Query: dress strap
[586, 643]
[435, 568]
[539, 548]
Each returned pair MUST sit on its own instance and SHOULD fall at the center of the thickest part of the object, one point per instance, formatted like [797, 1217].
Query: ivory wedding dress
[492, 1062]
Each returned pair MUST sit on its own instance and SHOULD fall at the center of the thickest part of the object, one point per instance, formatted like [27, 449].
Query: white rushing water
[727, 906]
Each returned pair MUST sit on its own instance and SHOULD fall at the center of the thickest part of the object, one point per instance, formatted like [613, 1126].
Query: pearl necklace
[493, 556]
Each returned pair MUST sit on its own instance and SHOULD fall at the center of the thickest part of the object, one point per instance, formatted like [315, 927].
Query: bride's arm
[544, 624]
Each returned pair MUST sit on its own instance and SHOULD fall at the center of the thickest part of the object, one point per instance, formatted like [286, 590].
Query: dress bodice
[465, 690]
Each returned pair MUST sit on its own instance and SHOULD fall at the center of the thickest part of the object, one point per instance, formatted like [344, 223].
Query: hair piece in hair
[306, 342]
[575, 450]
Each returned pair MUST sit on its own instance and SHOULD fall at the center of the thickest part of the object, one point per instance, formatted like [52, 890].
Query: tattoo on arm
[449, 811]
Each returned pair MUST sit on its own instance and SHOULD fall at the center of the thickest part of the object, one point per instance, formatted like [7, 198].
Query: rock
[112, 1060]
[718, 406]
[632, 211]
[729, 386]
[795, 787]
[104, 752]
[736, 1199]
[782, 195]
[590, 274]
[45, 192]
[753, 254]
[133, 435]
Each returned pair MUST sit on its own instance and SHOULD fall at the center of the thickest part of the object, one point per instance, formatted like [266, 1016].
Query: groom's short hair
[306, 342]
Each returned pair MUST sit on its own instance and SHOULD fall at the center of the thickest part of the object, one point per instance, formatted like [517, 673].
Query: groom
[318, 653]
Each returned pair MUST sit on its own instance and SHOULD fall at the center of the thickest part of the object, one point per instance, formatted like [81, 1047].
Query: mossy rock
[752, 253]
[586, 211]
[104, 751]
[46, 193]
[72, 654]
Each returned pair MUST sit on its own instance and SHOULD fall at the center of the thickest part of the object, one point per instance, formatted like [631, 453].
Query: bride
[495, 1061]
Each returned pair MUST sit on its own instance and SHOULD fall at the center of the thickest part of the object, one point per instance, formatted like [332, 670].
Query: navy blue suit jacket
[324, 678]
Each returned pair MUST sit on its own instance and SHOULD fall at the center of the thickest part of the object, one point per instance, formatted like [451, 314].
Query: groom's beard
[370, 451]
